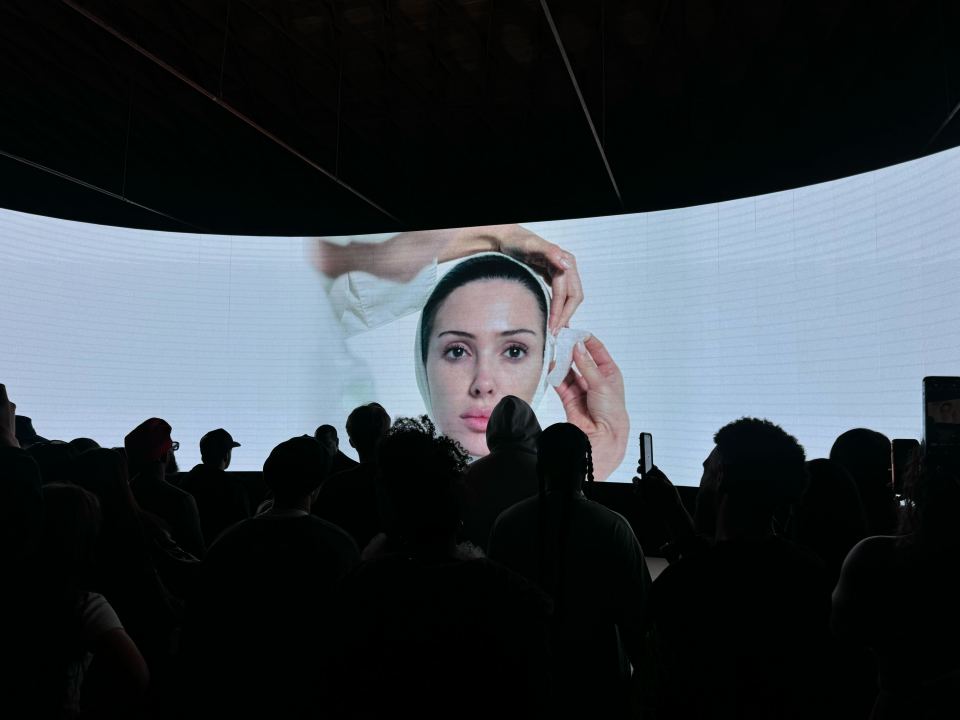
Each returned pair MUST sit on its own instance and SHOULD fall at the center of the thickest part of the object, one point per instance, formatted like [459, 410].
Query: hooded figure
[507, 475]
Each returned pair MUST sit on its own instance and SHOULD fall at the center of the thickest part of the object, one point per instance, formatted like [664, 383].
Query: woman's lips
[476, 421]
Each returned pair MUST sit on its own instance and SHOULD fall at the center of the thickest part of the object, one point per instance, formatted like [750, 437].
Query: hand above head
[594, 401]
[8, 420]
[404, 255]
[557, 266]
[655, 487]
[656, 490]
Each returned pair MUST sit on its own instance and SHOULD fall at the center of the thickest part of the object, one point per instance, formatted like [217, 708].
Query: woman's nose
[483, 382]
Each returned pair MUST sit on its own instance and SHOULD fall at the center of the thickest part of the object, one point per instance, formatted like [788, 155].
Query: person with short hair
[741, 624]
[349, 498]
[327, 434]
[222, 500]
[254, 631]
[366, 426]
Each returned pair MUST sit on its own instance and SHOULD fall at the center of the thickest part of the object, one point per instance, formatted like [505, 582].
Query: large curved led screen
[820, 308]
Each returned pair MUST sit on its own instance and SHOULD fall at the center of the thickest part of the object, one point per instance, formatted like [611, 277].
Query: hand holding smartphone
[904, 463]
[645, 464]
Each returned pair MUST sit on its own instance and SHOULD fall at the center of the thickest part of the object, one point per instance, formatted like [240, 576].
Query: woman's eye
[515, 352]
[455, 353]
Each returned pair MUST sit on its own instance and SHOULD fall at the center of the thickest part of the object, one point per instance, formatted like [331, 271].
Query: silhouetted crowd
[415, 583]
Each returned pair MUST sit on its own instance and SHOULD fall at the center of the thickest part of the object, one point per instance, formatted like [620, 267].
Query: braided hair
[563, 453]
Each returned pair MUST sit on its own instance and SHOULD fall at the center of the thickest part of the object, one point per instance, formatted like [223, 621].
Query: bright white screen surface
[819, 308]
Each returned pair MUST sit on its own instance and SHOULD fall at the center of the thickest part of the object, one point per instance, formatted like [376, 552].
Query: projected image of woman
[482, 335]
[486, 326]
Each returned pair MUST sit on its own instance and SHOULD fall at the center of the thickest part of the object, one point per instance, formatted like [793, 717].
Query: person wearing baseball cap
[148, 447]
[222, 499]
[216, 448]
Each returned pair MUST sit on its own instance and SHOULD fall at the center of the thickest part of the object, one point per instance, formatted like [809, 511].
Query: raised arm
[401, 257]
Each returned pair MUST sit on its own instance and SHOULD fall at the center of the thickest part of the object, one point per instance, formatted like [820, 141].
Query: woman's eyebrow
[505, 333]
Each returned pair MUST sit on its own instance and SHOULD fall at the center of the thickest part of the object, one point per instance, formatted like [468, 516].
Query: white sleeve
[97, 617]
[361, 301]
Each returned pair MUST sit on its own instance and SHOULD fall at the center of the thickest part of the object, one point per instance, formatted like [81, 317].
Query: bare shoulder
[868, 567]
[873, 553]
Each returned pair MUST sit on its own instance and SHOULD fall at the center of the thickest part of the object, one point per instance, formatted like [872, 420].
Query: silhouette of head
[419, 476]
[829, 518]
[327, 435]
[865, 454]
[147, 443]
[216, 448]
[295, 469]
[104, 473]
[564, 458]
[759, 467]
[366, 426]
[512, 422]
[82, 444]
[482, 335]
[55, 460]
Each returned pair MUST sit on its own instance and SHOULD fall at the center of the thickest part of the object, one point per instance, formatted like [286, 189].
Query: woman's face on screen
[487, 341]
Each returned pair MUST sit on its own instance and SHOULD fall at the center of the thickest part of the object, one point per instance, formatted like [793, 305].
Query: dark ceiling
[340, 116]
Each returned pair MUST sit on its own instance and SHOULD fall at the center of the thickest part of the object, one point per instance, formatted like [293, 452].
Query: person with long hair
[587, 558]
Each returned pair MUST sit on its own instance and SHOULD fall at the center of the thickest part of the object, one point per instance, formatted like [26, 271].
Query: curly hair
[763, 464]
[444, 448]
[419, 477]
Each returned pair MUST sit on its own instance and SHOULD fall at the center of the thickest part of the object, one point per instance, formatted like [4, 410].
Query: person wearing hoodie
[507, 475]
